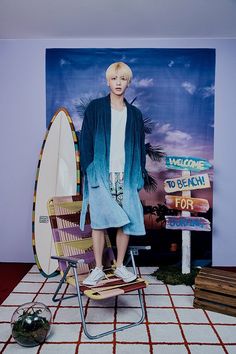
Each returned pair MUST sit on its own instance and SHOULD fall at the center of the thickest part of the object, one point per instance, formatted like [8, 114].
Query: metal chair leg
[63, 280]
[90, 336]
[133, 262]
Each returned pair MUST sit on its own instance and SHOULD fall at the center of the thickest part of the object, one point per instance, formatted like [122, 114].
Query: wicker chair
[75, 259]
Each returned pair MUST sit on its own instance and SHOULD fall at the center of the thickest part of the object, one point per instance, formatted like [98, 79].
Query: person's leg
[97, 273]
[121, 271]
[98, 246]
[122, 241]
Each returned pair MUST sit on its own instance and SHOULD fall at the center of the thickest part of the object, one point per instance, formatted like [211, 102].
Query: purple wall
[22, 102]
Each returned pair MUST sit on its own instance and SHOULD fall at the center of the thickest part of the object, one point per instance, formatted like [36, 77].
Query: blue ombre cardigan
[94, 158]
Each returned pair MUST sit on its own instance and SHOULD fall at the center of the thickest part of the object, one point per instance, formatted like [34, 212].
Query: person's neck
[117, 102]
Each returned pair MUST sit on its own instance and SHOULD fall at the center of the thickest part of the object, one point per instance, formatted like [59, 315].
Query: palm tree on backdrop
[156, 153]
[159, 211]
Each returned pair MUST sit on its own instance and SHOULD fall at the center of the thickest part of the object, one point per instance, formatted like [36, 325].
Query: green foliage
[173, 275]
[155, 153]
[148, 125]
[150, 184]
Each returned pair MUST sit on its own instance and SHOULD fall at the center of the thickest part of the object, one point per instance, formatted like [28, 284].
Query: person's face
[118, 83]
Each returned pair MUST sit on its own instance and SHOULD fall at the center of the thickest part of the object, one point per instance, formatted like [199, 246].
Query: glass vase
[31, 323]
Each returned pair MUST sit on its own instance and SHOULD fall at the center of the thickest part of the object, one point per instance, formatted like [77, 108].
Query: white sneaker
[123, 273]
[94, 277]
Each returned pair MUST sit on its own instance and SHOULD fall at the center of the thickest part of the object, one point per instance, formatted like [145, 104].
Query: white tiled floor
[64, 333]
[166, 333]
[13, 348]
[158, 301]
[18, 299]
[156, 289]
[227, 334]
[92, 348]
[182, 300]
[231, 349]
[95, 328]
[128, 301]
[208, 349]
[192, 316]
[172, 325]
[136, 334]
[200, 334]
[159, 315]
[134, 314]
[58, 349]
[67, 315]
[132, 348]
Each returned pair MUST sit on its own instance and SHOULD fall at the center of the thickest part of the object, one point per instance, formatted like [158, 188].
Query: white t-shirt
[117, 144]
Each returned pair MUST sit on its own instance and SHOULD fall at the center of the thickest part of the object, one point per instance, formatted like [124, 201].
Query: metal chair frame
[72, 264]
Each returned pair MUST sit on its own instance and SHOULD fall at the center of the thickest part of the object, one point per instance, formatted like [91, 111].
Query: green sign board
[187, 163]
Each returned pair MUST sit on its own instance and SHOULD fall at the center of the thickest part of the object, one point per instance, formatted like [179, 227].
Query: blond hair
[119, 66]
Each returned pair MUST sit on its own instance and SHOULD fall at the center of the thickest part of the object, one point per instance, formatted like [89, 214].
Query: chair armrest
[139, 248]
[68, 259]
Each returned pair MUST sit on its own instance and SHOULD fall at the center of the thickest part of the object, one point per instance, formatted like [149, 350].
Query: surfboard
[57, 175]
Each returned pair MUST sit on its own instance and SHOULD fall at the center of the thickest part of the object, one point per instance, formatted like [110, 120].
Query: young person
[112, 157]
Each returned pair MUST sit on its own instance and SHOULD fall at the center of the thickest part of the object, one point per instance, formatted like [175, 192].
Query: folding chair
[75, 259]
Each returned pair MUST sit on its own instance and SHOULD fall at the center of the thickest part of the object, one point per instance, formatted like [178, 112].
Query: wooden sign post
[187, 163]
[185, 203]
[190, 223]
[186, 235]
[189, 204]
[187, 183]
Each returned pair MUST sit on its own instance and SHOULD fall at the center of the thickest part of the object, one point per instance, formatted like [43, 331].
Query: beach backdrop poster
[174, 89]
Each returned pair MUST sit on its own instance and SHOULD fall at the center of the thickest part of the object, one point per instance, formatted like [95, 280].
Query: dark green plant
[173, 275]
